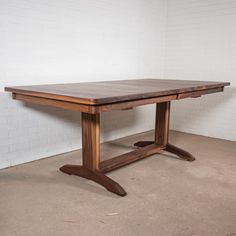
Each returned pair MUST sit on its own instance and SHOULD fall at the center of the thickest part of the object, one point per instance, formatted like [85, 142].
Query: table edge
[110, 100]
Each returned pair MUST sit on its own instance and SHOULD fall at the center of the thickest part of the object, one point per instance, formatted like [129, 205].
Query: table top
[105, 92]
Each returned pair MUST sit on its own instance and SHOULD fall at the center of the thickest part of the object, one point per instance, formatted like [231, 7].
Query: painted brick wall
[200, 45]
[80, 40]
[63, 41]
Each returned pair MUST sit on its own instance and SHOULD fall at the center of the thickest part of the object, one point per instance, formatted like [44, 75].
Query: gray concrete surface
[166, 196]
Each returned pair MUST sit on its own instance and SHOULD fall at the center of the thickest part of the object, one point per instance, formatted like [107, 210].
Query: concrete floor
[166, 196]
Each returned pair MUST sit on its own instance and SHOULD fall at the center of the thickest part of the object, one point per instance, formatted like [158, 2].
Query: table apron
[95, 109]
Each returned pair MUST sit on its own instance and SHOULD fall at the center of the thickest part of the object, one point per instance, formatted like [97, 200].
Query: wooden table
[93, 98]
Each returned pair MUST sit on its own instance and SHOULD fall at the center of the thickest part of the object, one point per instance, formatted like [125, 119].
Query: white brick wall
[79, 40]
[200, 45]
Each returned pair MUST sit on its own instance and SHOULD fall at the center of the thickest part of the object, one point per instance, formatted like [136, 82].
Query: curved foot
[169, 148]
[96, 176]
[179, 152]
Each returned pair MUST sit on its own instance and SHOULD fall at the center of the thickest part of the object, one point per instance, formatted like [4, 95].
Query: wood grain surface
[107, 92]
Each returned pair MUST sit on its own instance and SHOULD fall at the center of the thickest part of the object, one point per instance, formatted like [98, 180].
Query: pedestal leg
[91, 156]
[162, 133]
[162, 123]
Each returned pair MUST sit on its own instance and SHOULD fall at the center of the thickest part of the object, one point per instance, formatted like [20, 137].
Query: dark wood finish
[199, 93]
[135, 103]
[143, 143]
[162, 133]
[182, 154]
[91, 156]
[179, 152]
[94, 109]
[91, 140]
[114, 91]
[88, 108]
[129, 157]
[93, 98]
[162, 123]
[96, 176]
[54, 103]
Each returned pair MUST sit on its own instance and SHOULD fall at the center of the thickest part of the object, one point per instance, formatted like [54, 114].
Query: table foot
[179, 152]
[95, 176]
[182, 154]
